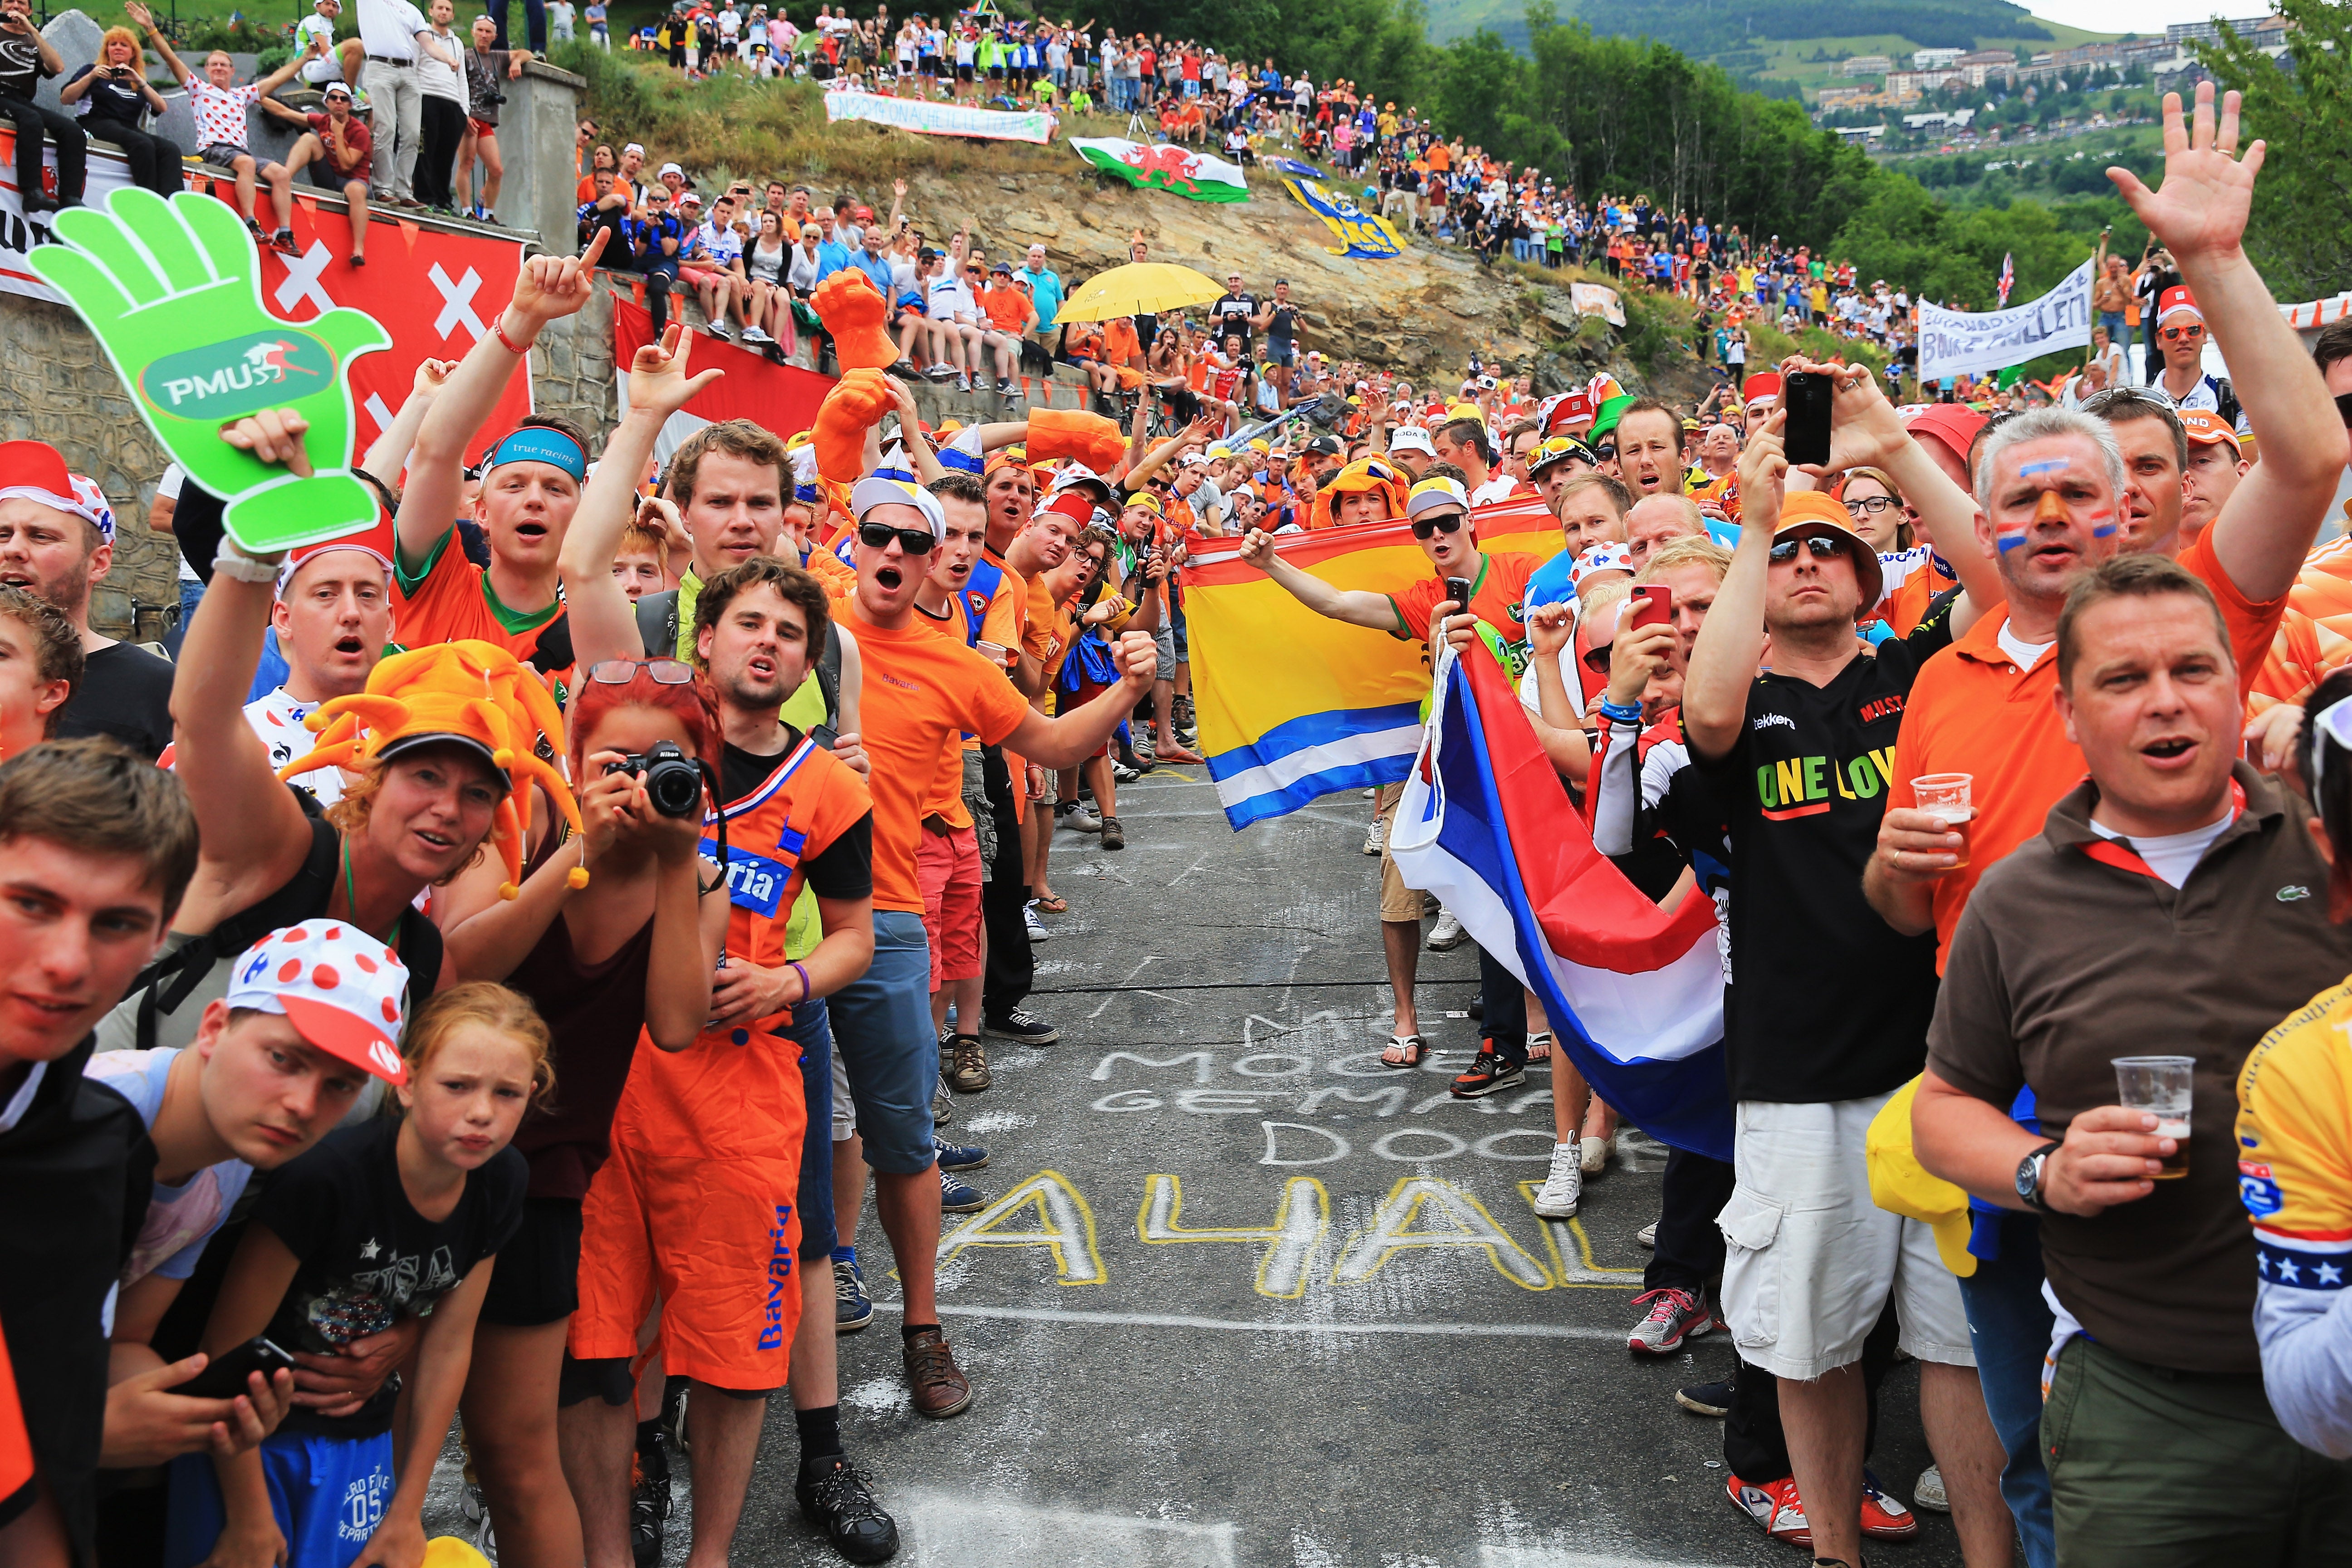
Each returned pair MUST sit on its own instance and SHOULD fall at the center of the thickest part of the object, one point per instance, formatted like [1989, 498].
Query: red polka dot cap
[340, 988]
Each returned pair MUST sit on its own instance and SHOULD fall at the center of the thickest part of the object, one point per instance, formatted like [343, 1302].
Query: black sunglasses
[913, 540]
[2343, 407]
[1451, 522]
[1823, 547]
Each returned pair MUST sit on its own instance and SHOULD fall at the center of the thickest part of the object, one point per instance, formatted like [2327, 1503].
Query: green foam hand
[173, 290]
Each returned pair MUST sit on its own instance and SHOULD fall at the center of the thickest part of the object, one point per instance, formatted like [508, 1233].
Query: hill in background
[1778, 49]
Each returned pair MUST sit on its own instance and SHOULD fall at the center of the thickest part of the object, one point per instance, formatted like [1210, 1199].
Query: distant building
[1862, 132]
[1833, 97]
[1927, 82]
[1933, 59]
[1866, 65]
[1951, 119]
[2211, 32]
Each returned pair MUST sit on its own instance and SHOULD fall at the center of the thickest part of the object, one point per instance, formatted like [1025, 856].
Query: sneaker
[1181, 707]
[1122, 773]
[967, 1065]
[1884, 1518]
[958, 1195]
[1674, 1316]
[649, 1505]
[1774, 1505]
[1596, 1152]
[486, 1538]
[757, 336]
[963, 382]
[939, 1385]
[1376, 838]
[1648, 1236]
[719, 330]
[283, 243]
[1079, 817]
[1563, 1186]
[959, 1156]
[1706, 1398]
[1930, 1491]
[852, 1307]
[1006, 385]
[1490, 1073]
[471, 1502]
[1037, 931]
[1114, 836]
[1022, 1028]
[1449, 933]
[837, 1501]
[942, 1102]
[938, 373]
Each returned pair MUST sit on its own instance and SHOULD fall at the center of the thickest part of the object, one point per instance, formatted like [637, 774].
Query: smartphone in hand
[224, 1376]
[1457, 589]
[1653, 604]
[1806, 438]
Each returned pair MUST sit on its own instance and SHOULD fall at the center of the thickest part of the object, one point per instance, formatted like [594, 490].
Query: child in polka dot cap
[339, 987]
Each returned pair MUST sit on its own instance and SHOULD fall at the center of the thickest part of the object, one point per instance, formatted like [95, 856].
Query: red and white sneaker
[1671, 1315]
[1774, 1505]
[1884, 1516]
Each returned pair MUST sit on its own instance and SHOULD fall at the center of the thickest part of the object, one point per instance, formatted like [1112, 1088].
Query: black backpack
[168, 982]
[658, 626]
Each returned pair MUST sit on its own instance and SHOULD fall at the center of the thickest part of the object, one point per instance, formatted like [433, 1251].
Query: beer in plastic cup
[993, 652]
[1947, 795]
[2162, 1086]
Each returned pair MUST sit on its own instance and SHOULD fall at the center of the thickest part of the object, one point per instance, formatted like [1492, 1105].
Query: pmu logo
[772, 1334]
[229, 379]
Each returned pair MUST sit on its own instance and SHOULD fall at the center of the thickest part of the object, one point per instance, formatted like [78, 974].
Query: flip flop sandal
[1411, 1050]
[1053, 905]
[1540, 1046]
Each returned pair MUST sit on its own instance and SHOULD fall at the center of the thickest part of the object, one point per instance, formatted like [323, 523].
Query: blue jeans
[2009, 1329]
[190, 595]
[812, 1029]
[2114, 321]
[888, 1047]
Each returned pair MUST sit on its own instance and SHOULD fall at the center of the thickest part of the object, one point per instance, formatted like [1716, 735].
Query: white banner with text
[1955, 342]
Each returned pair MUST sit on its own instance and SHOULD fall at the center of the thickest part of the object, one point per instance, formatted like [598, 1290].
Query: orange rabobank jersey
[735, 1093]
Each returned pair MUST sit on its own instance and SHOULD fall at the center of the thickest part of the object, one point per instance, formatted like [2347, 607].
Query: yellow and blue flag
[1292, 706]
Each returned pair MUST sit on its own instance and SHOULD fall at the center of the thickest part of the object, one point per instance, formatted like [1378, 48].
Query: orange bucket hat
[468, 693]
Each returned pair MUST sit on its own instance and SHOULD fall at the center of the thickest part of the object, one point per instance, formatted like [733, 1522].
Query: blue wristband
[1622, 713]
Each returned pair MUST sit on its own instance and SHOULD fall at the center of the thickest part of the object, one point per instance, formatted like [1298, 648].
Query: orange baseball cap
[2206, 428]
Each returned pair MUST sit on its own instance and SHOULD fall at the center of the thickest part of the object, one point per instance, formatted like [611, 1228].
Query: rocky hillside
[1421, 314]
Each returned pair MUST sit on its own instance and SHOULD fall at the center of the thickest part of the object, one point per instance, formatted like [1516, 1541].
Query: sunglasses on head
[621, 671]
[1823, 547]
[1449, 522]
[913, 540]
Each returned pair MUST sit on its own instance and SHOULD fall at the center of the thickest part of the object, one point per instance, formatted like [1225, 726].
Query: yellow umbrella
[1146, 287]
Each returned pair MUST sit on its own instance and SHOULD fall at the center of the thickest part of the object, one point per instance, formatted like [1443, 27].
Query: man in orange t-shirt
[920, 690]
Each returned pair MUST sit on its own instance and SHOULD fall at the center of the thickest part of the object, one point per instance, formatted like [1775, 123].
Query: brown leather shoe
[967, 1065]
[940, 1387]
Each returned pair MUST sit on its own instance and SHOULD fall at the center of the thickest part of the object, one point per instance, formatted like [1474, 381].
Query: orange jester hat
[473, 693]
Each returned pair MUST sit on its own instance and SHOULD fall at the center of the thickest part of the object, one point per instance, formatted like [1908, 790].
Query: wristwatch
[2029, 1178]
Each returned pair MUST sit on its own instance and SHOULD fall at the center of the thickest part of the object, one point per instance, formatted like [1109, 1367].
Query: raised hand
[1763, 474]
[173, 290]
[657, 378]
[856, 402]
[853, 313]
[2200, 212]
[550, 288]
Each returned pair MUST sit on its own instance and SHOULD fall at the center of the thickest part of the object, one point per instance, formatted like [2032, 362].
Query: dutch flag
[1634, 994]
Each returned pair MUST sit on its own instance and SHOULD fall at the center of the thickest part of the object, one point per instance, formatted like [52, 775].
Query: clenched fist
[854, 405]
[855, 314]
[1056, 433]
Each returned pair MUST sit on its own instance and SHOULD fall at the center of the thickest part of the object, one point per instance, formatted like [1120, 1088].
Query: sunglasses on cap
[1448, 522]
[913, 540]
[1822, 545]
[621, 671]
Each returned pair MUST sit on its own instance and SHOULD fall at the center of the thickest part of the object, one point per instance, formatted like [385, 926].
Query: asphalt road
[1245, 1296]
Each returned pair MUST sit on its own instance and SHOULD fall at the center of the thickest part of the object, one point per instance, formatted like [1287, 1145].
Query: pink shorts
[948, 867]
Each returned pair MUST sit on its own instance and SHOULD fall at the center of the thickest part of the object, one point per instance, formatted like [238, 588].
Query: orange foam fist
[854, 406]
[1058, 433]
[855, 314]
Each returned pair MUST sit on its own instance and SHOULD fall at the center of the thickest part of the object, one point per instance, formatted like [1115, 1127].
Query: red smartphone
[1653, 604]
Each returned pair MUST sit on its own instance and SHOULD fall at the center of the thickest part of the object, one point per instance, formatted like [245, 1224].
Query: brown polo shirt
[2063, 961]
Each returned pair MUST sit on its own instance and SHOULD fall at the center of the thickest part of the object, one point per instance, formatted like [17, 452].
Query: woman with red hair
[612, 931]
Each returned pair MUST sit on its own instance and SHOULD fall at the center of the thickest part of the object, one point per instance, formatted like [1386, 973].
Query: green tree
[2301, 231]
